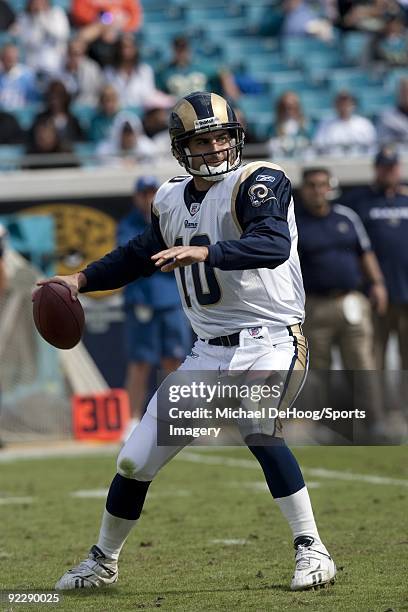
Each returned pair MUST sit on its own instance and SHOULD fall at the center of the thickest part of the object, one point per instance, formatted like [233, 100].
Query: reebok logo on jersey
[266, 178]
[259, 194]
[190, 224]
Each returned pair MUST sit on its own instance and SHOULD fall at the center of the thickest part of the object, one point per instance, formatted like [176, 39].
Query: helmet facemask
[207, 171]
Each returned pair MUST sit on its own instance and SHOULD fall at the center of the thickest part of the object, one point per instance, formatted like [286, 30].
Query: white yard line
[70, 449]
[102, 493]
[262, 486]
[192, 454]
[229, 542]
[316, 472]
[6, 501]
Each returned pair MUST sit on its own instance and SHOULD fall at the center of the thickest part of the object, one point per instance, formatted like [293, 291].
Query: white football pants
[259, 351]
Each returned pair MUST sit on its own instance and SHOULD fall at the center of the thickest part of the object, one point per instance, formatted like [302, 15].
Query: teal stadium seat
[351, 79]
[156, 5]
[293, 80]
[163, 33]
[318, 64]
[373, 100]
[316, 103]
[253, 105]
[354, 46]
[26, 115]
[249, 49]
[10, 156]
[393, 77]
[64, 4]
[85, 151]
[84, 114]
[164, 14]
[295, 50]
[17, 5]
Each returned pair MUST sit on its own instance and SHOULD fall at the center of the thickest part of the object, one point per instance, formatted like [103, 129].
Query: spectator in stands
[43, 32]
[57, 109]
[390, 45]
[17, 81]
[132, 78]
[125, 15]
[348, 132]
[104, 117]
[392, 126]
[44, 143]
[250, 136]
[7, 16]
[383, 208]
[335, 255]
[81, 75]
[126, 142]
[156, 332]
[291, 130]
[10, 129]
[182, 75]
[363, 15]
[155, 121]
[102, 23]
[301, 19]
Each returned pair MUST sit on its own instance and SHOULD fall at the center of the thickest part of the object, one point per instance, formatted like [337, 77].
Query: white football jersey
[221, 302]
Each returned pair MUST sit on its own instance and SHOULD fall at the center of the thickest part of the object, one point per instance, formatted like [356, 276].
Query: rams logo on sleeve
[259, 194]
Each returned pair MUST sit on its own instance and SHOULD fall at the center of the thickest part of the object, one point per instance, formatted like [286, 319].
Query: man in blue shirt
[336, 254]
[383, 208]
[156, 330]
[336, 258]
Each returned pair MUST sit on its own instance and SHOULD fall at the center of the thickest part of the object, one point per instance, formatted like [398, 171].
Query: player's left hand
[179, 257]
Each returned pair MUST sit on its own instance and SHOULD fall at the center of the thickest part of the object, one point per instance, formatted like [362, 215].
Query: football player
[230, 234]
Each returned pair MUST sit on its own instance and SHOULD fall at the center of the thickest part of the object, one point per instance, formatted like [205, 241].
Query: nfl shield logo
[194, 208]
[254, 331]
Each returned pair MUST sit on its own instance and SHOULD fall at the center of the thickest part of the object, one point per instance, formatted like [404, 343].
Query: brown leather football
[59, 319]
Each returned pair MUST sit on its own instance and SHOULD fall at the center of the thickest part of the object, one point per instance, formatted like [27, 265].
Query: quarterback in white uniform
[230, 234]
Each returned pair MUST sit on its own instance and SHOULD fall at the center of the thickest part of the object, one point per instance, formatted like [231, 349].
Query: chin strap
[211, 173]
[219, 172]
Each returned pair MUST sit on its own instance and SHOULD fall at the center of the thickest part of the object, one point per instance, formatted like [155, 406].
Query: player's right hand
[74, 282]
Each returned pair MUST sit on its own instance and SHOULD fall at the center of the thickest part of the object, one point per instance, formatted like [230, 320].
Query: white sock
[297, 510]
[113, 534]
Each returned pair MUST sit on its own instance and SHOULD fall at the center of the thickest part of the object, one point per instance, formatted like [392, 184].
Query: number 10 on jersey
[204, 297]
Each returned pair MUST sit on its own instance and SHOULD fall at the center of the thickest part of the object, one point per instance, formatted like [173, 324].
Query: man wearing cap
[383, 208]
[156, 330]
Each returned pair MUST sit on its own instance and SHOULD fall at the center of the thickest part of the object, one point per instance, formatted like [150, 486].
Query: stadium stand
[245, 38]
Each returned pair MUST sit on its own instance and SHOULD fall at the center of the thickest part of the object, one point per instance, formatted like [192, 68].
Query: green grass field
[211, 537]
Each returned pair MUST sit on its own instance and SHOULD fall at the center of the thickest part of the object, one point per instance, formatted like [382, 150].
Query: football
[58, 319]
